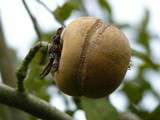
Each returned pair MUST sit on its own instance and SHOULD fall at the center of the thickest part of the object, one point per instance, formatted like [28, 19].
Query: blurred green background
[24, 22]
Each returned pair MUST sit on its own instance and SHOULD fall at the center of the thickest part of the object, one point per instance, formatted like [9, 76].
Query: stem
[33, 19]
[6, 64]
[145, 58]
[22, 71]
[30, 104]
[45, 6]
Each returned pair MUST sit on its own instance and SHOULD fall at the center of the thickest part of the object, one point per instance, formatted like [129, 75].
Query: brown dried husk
[95, 58]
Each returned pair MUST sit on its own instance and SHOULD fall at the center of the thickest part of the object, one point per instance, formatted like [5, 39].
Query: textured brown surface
[94, 59]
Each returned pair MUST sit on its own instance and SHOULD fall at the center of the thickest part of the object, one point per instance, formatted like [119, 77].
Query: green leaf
[63, 12]
[143, 33]
[143, 39]
[33, 83]
[105, 5]
[145, 20]
[133, 91]
[99, 109]
[148, 63]
[136, 88]
[145, 85]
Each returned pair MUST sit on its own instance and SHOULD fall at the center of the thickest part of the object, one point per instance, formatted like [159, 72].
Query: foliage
[99, 109]
[63, 12]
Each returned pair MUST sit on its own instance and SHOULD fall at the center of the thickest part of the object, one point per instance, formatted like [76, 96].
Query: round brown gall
[94, 60]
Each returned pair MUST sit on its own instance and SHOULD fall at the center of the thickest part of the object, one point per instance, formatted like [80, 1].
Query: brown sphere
[94, 60]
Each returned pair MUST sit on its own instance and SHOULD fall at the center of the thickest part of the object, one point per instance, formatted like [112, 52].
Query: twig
[30, 104]
[34, 21]
[154, 92]
[22, 71]
[83, 8]
[145, 58]
[6, 66]
[44, 5]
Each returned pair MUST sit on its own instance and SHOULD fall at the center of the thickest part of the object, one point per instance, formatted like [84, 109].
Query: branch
[30, 104]
[22, 71]
[6, 66]
[83, 8]
[34, 21]
[9, 78]
[45, 6]
[145, 58]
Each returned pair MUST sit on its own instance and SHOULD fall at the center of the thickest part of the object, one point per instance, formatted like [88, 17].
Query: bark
[30, 104]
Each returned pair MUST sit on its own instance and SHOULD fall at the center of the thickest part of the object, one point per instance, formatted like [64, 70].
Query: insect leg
[47, 69]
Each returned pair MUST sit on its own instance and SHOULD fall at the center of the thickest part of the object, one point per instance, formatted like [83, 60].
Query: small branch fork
[27, 102]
